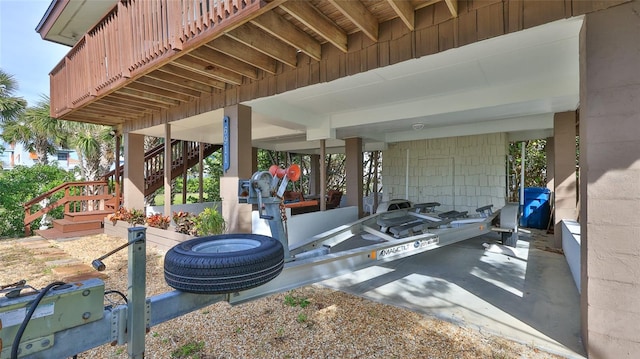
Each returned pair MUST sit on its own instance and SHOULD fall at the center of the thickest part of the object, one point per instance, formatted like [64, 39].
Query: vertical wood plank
[372, 57]
[490, 21]
[401, 49]
[426, 41]
[441, 13]
[515, 10]
[541, 12]
[424, 18]
[445, 36]
[467, 28]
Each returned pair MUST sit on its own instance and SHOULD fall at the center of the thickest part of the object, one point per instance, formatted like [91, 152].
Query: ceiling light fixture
[418, 126]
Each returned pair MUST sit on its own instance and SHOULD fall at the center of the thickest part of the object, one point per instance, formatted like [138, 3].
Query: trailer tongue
[71, 318]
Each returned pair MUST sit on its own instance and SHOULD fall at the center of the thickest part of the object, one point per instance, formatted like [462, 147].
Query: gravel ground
[309, 322]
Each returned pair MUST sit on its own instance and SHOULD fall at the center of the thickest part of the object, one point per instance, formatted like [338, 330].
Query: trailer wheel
[225, 263]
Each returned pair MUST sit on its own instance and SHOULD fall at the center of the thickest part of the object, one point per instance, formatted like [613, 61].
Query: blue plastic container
[536, 208]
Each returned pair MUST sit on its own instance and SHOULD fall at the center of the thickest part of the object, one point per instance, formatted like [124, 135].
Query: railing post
[66, 205]
[27, 227]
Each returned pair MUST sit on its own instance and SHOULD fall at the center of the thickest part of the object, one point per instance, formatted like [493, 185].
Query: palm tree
[36, 131]
[94, 145]
[10, 106]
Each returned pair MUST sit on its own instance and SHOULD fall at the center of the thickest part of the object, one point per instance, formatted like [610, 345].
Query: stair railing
[96, 195]
[76, 197]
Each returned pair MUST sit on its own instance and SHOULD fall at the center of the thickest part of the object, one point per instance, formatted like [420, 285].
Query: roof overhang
[66, 21]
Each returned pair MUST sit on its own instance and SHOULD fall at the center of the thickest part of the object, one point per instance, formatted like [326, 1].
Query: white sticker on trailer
[406, 248]
[15, 317]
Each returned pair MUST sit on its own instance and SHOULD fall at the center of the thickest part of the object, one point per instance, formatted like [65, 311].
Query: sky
[23, 53]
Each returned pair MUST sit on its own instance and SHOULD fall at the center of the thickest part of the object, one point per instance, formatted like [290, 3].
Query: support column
[133, 181]
[609, 185]
[550, 153]
[254, 160]
[322, 162]
[314, 175]
[353, 165]
[167, 169]
[564, 163]
[237, 216]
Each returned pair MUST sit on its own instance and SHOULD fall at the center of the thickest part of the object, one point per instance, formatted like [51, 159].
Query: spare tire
[226, 263]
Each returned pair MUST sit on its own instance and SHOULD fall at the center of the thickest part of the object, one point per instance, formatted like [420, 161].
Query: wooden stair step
[66, 226]
[87, 216]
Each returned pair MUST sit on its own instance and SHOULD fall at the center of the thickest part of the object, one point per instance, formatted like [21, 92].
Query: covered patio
[441, 87]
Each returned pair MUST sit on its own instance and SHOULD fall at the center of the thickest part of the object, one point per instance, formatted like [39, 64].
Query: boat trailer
[65, 319]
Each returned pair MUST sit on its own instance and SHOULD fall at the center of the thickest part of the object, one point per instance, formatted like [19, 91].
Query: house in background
[15, 155]
[441, 87]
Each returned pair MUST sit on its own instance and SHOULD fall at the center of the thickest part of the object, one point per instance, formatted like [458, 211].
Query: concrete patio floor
[531, 298]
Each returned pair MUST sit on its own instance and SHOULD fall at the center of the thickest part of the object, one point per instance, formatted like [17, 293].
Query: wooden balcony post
[185, 168]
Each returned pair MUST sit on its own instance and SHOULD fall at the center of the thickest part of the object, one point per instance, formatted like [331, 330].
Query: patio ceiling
[512, 83]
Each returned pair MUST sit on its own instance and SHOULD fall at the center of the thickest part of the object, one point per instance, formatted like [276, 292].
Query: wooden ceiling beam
[359, 15]
[109, 111]
[136, 102]
[405, 12]
[208, 69]
[304, 12]
[453, 7]
[284, 30]
[81, 116]
[244, 53]
[120, 104]
[145, 96]
[160, 92]
[254, 37]
[214, 56]
[180, 81]
[425, 3]
[172, 86]
[193, 76]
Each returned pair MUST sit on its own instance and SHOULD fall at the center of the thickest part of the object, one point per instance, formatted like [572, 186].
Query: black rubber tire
[226, 263]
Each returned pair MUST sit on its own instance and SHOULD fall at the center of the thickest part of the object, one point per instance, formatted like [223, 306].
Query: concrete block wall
[462, 173]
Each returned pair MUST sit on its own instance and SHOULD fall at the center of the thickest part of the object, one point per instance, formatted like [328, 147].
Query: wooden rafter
[208, 69]
[181, 81]
[191, 75]
[242, 52]
[405, 12]
[166, 92]
[453, 7]
[144, 96]
[359, 15]
[310, 17]
[252, 36]
[175, 87]
[282, 29]
[122, 98]
[225, 61]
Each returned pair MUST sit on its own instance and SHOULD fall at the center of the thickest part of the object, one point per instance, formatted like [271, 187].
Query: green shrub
[210, 222]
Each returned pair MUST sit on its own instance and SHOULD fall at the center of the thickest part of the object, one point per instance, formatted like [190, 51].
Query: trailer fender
[226, 263]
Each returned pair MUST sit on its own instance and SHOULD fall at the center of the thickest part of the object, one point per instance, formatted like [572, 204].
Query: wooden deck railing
[101, 195]
[74, 196]
[133, 36]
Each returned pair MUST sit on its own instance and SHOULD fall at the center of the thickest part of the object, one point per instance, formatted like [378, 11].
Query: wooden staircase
[88, 203]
